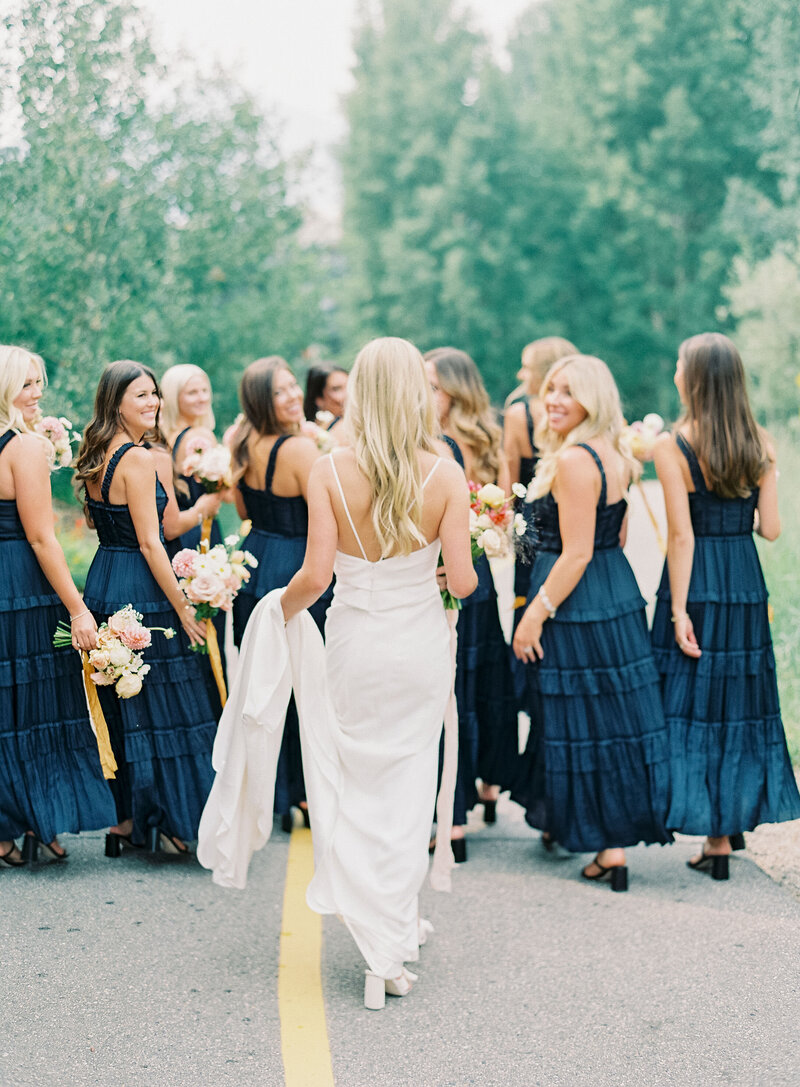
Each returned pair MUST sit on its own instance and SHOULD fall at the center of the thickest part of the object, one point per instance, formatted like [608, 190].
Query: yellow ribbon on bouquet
[107, 761]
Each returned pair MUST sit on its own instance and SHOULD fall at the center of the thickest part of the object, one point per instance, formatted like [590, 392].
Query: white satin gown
[388, 665]
[371, 704]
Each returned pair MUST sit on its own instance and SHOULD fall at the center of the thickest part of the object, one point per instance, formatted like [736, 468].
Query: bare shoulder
[140, 461]
[450, 475]
[514, 413]
[26, 451]
[574, 460]
[769, 444]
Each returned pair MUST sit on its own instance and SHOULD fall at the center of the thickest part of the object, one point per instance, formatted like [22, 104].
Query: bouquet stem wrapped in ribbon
[210, 579]
[117, 661]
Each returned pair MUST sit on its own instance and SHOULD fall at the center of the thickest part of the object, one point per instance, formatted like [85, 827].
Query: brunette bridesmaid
[162, 738]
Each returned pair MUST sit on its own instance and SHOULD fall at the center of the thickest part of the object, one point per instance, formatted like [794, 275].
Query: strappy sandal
[616, 874]
[716, 863]
[8, 861]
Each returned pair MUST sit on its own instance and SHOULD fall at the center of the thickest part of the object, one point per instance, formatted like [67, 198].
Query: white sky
[293, 55]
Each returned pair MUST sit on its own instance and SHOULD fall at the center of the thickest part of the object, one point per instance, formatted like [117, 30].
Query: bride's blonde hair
[390, 417]
[14, 365]
[591, 384]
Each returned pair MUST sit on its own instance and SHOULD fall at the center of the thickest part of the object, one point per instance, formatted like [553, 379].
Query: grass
[781, 563]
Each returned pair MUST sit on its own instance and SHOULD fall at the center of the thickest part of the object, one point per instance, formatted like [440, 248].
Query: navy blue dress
[729, 763]
[277, 539]
[488, 743]
[162, 737]
[50, 776]
[191, 539]
[595, 772]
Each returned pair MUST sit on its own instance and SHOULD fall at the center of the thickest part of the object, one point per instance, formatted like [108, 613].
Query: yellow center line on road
[304, 1032]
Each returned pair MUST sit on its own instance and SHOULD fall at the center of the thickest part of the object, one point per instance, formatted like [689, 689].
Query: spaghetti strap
[346, 509]
[529, 423]
[6, 438]
[433, 469]
[273, 456]
[694, 464]
[599, 463]
[178, 441]
[105, 487]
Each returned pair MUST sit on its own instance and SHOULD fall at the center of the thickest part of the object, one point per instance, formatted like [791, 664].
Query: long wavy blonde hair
[14, 365]
[471, 417]
[390, 417]
[172, 385]
[591, 384]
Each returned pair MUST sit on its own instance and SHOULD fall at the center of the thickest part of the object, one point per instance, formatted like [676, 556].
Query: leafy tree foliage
[141, 217]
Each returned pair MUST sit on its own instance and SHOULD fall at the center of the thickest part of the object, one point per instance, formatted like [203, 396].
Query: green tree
[135, 226]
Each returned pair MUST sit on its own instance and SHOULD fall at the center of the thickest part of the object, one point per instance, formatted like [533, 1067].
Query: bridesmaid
[600, 783]
[50, 776]
[273, 460]
[730, 766]
[520, 420]
[185, 414]
[487, 713]
[326, 390]
[162, 738]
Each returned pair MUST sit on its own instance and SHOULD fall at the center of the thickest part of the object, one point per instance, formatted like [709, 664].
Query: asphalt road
[140, 972]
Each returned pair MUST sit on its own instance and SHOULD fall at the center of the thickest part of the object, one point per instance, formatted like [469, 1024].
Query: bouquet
[640, 437]
[493, 525]
[118, 660]
[210, 464]
[60, 435]
[210, 579]
[321, 437]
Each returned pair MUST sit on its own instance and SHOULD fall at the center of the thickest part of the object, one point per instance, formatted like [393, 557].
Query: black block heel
[489, 811]
[617, 876]
[113, 845]
[459, 849]
[30, 849]
[716, 863]
[719, 868]
[619, 879]
[737, 841]
[306, 818]
[287, 822]
[153, 840]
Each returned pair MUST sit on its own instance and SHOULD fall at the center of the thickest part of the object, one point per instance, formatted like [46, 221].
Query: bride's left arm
[314, 576]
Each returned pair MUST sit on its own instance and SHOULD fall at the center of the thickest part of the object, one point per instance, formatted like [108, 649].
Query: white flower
[129, 685]
[653, 422]
[231, 541]
[519, 490]
[520, 525]
[168, 633]
[119, 656]
[484, 521]
[491, 495]
[493, 543]
[473, 521]
[250, 559]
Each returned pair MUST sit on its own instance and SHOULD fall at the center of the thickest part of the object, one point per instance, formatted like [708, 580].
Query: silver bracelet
[80, 615]
[548, 603]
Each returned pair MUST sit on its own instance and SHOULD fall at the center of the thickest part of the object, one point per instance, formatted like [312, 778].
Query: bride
[380, 511]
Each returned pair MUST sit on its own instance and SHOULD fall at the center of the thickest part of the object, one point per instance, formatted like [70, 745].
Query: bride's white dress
[371, 706]
[389, 675]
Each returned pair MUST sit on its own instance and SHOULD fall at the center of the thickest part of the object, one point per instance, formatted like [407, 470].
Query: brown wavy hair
[258, 408]
[471, 415]
[105, 422]
[725, 436]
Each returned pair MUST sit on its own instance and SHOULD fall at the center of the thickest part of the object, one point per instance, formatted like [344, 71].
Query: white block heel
[425, 929]
[374, 992]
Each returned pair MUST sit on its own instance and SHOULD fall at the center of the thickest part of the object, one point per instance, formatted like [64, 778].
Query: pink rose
[220, 598]
[122, 621]
[136, 639]
[184, 562]
[203, 588]
[100, 679]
